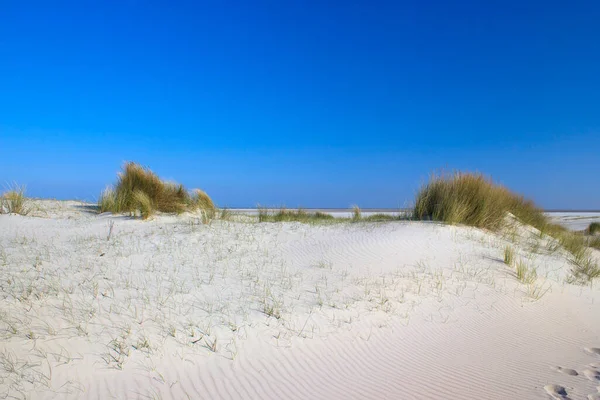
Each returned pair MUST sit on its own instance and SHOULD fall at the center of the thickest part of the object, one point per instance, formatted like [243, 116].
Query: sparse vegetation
[140, 189]
[381, 217]
[526, 274]
[299, 215]
[584, 268]
[13, 201]
[509, 255]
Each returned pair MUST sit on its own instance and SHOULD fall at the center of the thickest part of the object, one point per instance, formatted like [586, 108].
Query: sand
[103, 306]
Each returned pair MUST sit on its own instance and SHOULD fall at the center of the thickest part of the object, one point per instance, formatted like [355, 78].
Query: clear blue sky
[312, 103]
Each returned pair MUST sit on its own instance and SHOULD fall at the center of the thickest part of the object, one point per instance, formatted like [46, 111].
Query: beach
[110, 306]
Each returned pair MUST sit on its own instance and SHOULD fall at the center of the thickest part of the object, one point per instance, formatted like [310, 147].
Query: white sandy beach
[172, 308]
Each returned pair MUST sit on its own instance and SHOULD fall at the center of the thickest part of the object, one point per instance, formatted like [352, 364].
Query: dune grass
[509, 255]
[144, 203]
[474, 200]
[356, 213]
[593, 228]
[584, 268]
[379, 217]
[140, 189]
[299, 215]
[14, 201]
[525, 273]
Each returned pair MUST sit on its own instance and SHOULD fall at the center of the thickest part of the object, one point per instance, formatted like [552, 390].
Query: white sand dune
[171, 308]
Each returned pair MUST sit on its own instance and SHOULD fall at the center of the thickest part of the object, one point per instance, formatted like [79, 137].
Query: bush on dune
[138, 188]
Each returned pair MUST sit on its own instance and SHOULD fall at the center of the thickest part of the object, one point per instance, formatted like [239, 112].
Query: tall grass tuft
[594, 228]
[143, 203]
[13, 201]
[509, 255]
[356, 213]
[472, 199]
[138, 188]
[201, 201]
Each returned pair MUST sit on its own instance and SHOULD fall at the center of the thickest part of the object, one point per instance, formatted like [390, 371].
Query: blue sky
[302, 103]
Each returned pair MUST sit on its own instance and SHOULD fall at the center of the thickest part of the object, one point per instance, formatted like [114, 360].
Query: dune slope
[113, 307]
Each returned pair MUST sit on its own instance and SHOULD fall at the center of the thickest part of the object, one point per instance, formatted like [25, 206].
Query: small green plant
[272, 310]
[525, 274]
[509, 255]
[13, 201]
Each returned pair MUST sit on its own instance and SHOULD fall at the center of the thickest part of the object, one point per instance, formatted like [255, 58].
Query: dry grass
[138, 188]
[356, 213]
[594, 228]
[201, 201]
[13, 201]
[143, 203]
[471, 199]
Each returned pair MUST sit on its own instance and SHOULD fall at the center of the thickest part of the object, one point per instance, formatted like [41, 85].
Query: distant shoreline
[328, 209]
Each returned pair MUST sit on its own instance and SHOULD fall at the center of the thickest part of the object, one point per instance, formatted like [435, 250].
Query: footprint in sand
[593, 350]
[567, 371]
[595, 396]
[596, 366]
[592, 375]
[557, 392]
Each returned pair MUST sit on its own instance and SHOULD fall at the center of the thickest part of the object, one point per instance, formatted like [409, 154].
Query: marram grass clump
[594, 228]
[472, 199]
[140, 189]
[14, 201]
